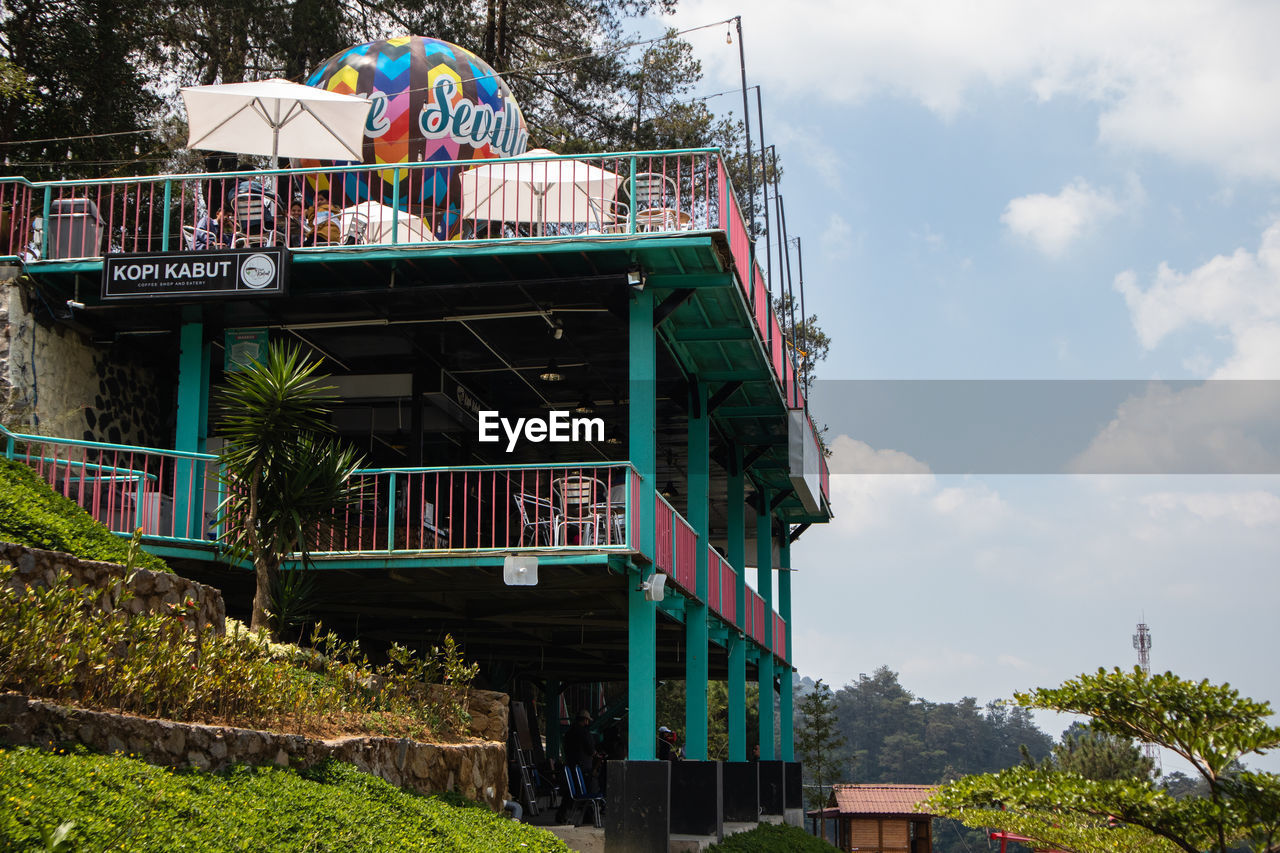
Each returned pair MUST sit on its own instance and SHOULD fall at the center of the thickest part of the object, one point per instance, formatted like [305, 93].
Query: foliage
[59, 644]
[771, 838]
[1093, 754]
[894, 737]
[1209, 725]
[671, 712]
[87, 65]
[809, 343]
[122, 804]
[33, 514]
[284, 475]
[817, 740]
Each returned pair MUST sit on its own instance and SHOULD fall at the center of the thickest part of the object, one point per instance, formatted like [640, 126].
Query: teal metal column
[697, 636]
[736, 551]
[642, 615]
[786, 710]
[764, 586]
[193, 402]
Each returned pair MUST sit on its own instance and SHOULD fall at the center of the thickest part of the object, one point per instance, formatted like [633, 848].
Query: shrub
[772, 838]
[122, 804]
[58, 644]
[33, 514]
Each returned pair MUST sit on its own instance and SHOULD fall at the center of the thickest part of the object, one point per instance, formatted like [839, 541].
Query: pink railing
[755, 616]
[779, 636]
[483, 508]
[663, 521]
[167, 493]
[15, 216]
[722, 587]
[686, 555]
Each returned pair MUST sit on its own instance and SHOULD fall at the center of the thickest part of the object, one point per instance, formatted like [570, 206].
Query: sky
[1009, 189]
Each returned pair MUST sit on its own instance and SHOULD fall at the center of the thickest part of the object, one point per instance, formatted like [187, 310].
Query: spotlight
[585, 406]
[557, 331]
[551, 373]
[635, 278]
[77, 306]
[655, 588]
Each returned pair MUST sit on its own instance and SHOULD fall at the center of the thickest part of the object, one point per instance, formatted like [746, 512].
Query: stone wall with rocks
[56, 382]
[477, 770]
[152, 591]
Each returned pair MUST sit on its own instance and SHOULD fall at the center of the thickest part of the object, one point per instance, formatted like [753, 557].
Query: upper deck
[669, 218]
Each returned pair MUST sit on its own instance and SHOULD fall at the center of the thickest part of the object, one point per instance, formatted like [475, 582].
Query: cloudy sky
[1010, 189]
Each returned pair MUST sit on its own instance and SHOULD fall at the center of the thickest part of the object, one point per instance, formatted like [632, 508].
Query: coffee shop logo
[558, 427]
[257, 271]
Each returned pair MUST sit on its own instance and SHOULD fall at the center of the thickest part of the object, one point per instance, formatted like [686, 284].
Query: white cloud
[1238, 294]
[837, 238]
[1214, 427]
[1052, 222]
[1194, 81]
[1254, 508]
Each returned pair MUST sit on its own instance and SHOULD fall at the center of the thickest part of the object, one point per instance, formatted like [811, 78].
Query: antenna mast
[1142, 642]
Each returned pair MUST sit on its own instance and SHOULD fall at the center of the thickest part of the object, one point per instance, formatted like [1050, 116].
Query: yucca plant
[284, 473]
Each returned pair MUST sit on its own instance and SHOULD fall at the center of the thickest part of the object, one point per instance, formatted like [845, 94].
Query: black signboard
[257, 272]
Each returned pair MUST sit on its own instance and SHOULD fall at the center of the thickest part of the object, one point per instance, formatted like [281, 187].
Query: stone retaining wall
[152, 591]
[477, 770]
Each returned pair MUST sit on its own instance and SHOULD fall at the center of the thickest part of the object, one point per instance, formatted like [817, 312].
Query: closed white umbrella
[276, 118]
[534, 190]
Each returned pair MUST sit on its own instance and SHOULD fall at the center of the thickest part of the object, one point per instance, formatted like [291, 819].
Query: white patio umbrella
[382, 219]
[276, 118]
[538, 191]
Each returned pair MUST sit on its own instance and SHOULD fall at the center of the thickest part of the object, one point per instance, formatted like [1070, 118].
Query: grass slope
[121, 804]
[34, 515]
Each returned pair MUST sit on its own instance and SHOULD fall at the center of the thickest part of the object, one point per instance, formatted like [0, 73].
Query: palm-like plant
[284, 474]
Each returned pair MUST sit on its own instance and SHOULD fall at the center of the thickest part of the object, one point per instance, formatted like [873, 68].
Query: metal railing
[408, 204]
[169, 494]
[484, 508]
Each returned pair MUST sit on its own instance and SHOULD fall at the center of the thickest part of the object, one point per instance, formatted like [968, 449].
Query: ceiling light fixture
[551, 373]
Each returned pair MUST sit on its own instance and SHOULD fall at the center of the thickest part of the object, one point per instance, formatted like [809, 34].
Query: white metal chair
[577, 499]
[537, 518]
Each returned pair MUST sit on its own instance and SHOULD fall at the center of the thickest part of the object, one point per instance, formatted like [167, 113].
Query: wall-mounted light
[655, 588]
[635, 278]
[520, 571]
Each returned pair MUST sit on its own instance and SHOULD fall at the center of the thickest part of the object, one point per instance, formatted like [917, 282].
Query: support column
[736, 551]
[697, 636]
[642, 615]
[786, 711]
[189, 432]
[764, 586]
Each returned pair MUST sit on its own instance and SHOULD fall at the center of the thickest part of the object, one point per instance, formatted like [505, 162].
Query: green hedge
[121, 804]
[34, 515]
[772, 838]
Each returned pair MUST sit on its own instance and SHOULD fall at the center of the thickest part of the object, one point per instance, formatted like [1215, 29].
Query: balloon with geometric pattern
[432, 101]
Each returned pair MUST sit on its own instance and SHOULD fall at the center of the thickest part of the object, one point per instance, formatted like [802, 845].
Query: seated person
[215, 231]
[299, 225]
[328, 224]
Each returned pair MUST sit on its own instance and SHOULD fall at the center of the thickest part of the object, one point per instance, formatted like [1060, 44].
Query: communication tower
[1142, 642]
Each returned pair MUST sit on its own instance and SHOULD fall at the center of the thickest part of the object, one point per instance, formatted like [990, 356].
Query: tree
[818, 741]
[1209, 725]
[1098, 755]
[283, 474]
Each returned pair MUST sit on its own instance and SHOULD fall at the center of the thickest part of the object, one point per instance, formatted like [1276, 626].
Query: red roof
[881, 799]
